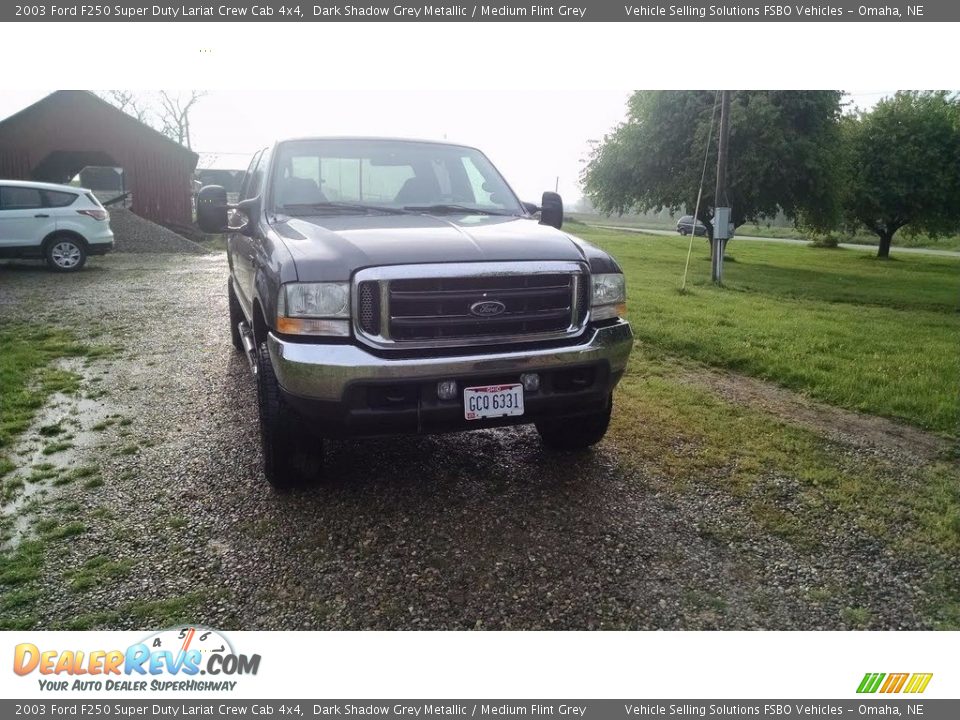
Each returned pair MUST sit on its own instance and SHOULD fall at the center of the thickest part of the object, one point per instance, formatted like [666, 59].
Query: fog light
[530, 381]
[447, 389]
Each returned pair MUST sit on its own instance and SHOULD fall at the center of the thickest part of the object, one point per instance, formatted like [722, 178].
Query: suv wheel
[288, 460]
[65, 254]
[236, 316]
[575, 433]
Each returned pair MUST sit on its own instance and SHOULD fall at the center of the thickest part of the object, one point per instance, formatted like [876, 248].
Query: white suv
[61, 223]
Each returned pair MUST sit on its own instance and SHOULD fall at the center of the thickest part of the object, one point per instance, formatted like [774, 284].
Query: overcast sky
[533, 137]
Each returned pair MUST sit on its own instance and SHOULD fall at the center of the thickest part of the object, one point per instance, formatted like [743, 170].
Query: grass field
[879, 336]
[28, 377]
[951, 242]
[838, 325]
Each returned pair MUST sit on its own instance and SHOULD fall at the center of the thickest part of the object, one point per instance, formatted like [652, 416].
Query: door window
[252, 178]
[56, 199]
[19, 198]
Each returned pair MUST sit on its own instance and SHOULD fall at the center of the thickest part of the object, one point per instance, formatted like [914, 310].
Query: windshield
[347, 175]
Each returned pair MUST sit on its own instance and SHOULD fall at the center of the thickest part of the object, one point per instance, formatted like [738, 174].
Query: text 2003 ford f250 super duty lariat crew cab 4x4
[392, 286]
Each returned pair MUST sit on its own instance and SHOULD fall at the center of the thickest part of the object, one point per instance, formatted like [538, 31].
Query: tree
[174, 114]
[782, 155]
[129, 102]
[902, 166]
[169, 112]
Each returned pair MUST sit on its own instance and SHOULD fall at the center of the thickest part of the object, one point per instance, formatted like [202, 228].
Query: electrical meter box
[721, 223]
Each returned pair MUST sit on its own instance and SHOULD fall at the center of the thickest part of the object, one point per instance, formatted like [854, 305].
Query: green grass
[98, 571]
[27, 378]
[57, 447]
[879, 336]
[901, 239]
[794, 484]
[21, 566]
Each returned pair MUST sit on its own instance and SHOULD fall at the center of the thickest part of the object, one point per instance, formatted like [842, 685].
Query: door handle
[41, 216]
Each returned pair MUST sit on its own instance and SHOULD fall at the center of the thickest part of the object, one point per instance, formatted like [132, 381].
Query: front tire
[575, 433]
[65, 254]
[288, 461]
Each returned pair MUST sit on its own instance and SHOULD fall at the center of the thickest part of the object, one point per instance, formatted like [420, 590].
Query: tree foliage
[174, 111]
[782, 155]
[168, 111]
[902, 166]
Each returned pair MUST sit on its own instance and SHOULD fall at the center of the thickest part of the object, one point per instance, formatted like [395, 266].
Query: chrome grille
[442, 305]
[368, 307]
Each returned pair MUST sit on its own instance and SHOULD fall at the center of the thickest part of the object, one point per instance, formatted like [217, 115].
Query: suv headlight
[609, 297]
[314, 309]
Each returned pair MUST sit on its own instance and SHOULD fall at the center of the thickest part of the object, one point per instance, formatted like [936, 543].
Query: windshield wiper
[453, 208]
[334, 206]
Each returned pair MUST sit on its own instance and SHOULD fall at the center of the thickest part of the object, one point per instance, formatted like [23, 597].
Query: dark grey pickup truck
[385, 286]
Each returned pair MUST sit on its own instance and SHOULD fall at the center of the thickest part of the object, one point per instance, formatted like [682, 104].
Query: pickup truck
[382, 286]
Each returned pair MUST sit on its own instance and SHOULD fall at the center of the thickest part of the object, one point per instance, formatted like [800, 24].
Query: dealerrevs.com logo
[172, 659]
[894, 682]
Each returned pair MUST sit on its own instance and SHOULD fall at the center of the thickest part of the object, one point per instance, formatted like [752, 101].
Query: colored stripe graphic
[894, 683]
[918, 682]
[870, 682]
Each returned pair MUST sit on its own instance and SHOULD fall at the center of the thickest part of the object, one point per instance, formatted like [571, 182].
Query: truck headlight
[314, 309]
[609, 298]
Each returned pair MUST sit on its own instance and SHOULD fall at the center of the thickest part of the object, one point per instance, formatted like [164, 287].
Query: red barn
[56, 137]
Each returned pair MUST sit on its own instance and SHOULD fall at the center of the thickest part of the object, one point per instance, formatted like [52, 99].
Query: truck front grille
[444, 307]
[470, 304]
[368, 307]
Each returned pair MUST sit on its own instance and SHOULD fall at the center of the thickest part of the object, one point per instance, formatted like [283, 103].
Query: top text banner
[544, 11]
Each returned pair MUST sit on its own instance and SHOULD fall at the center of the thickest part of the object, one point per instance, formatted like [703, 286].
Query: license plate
[492, 401]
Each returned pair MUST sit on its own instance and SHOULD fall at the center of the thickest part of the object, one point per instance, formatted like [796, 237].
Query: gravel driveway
[473, 530]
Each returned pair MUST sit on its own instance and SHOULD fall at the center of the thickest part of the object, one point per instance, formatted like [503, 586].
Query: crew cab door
[241, 247]
[24, 222]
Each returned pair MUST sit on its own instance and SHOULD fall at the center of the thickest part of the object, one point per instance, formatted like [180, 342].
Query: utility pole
[721, 207]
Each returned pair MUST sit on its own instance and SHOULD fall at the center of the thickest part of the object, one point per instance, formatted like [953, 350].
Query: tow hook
[246, 337]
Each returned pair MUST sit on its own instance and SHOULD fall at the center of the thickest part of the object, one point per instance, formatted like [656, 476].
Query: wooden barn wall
[158, 175]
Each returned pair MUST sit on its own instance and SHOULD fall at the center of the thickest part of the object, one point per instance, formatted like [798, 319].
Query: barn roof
[77, 101]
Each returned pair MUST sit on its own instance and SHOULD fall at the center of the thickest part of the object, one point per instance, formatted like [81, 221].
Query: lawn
[28, 377]
[879, 336]
[949, 242]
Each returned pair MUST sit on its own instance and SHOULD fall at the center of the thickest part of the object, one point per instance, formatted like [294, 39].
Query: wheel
[575, 433]
[288, 460]
[683, 232]
[236, 317]
[65, 254]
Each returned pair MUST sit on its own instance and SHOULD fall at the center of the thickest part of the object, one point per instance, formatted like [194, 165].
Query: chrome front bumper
[324, 372]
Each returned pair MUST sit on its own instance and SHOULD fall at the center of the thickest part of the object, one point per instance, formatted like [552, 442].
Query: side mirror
[212, 209]
[551, 210]
[531, 208]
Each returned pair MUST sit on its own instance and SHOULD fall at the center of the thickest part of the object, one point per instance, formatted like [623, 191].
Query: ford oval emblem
[487, 308]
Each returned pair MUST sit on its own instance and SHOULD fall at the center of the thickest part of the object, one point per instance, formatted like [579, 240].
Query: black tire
[236, 317]
[289, 461]
[65, 253]
[575, 433]
[683, 232]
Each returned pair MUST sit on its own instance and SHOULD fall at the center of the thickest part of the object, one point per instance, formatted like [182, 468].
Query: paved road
[792, 241]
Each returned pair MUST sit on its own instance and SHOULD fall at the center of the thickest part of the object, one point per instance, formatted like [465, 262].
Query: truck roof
[378, 138]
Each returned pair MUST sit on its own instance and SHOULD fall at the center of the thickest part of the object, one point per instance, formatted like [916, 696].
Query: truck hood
[333, 248]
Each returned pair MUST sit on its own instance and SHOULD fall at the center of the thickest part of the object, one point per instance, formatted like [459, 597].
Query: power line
[703, 175]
